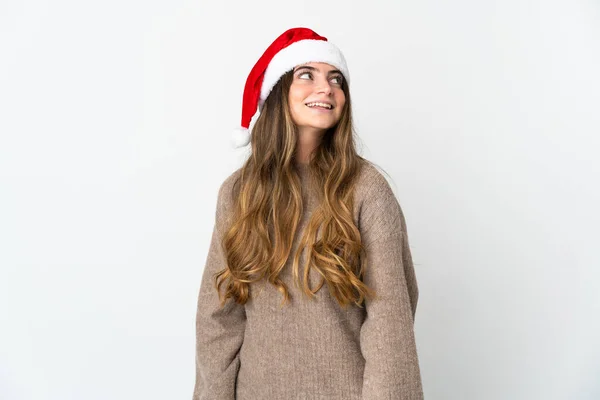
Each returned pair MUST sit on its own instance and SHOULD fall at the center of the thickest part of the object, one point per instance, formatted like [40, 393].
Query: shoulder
[226, 194]
[371, 182]
[379, 212]
[227, 185]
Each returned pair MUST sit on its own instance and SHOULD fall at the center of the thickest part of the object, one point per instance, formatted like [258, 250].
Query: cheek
[296, 100]
[341, 101]
[295, 105]
[294, 97]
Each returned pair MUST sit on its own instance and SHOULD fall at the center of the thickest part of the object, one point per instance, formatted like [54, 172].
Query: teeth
[320, 104]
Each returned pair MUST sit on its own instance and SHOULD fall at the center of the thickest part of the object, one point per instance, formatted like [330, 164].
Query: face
[316, 83]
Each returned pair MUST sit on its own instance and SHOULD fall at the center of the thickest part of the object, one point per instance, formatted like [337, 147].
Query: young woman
[309, 289]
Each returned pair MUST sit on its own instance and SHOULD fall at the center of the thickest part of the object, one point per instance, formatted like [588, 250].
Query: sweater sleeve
[219, 331]
[387, 337]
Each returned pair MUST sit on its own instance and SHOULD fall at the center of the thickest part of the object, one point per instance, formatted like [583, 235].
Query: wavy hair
[268, 208]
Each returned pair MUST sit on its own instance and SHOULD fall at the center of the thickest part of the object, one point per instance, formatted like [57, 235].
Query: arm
[387, 336]
[219, 331]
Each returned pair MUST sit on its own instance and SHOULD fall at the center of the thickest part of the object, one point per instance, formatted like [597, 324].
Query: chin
[317, 125]
[323, 127]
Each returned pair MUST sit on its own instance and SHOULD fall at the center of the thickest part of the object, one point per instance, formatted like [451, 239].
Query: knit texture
[314, 349]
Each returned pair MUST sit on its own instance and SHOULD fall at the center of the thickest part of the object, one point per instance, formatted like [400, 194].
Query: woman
[309, 290]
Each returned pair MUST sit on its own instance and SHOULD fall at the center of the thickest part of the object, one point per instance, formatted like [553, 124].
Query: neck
[308, 140]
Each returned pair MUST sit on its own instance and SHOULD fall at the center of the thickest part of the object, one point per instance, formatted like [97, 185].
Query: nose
[323, 86]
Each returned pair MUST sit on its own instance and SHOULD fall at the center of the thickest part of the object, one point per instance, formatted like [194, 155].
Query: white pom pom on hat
[240, 137]
[293, 47]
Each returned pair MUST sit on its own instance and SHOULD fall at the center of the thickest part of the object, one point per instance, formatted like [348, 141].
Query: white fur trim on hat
[301, 52]
[240, 137]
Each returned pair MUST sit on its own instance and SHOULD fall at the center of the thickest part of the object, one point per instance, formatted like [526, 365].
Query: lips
[320, 105]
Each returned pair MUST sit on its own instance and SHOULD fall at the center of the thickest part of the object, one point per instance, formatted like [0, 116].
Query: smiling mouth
[319, 105]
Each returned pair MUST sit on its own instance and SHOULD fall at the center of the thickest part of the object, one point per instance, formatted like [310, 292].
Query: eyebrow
[333, 71]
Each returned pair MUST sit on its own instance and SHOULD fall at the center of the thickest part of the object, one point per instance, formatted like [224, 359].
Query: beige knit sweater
[314, 349]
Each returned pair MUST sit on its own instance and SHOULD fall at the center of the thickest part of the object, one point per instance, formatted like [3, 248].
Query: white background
[115, 123]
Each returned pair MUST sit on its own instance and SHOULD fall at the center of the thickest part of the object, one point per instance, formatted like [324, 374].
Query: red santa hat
[293, 47]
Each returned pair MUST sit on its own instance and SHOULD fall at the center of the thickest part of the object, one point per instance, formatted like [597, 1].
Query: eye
[338, 79]
[304, 73]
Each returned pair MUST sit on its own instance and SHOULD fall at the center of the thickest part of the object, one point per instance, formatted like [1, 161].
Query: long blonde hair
[268, 208]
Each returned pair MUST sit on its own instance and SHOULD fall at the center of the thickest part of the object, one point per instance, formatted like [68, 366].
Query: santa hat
[293, 47]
